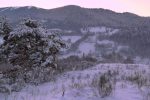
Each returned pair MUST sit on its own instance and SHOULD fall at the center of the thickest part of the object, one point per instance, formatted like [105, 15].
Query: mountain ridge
[74, 17]
[75, 6]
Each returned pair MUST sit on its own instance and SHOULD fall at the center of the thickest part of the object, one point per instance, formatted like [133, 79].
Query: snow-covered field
[105, 42]
[72, 38]
[88, 45]
[104, 30]
[78, 85]
[87, 48]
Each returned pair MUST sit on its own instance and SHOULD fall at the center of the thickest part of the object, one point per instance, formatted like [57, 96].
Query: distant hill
[75, 17]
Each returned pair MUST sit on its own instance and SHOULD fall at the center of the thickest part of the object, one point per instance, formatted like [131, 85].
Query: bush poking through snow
[138, 78]
[76, 63]
[105, 85]
[105, 82]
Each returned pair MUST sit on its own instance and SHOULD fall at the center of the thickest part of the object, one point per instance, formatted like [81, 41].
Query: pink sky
[140, 7]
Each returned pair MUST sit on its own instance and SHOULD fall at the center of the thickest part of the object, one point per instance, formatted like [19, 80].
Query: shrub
[105, 85]
[75, 63]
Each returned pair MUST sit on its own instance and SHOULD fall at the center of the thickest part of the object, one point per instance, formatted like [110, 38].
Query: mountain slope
[75, 17]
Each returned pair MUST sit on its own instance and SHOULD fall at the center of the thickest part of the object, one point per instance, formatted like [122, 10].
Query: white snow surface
[88, 45]
[9, 8]
[97, 29]
[1, 40]
[14, 8]
[105, 42]
[87, 48]
[77, 85]
[104, 30]
[4, 9]
[72, 38]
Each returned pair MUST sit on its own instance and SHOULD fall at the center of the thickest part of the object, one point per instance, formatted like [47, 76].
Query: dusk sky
[140, 7]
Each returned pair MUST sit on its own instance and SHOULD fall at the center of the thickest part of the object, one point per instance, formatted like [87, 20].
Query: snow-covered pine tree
[32, 48]
[30, 45]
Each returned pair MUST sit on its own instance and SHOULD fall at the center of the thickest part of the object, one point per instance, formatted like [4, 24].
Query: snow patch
[103, 30]
[97, 29]
[4, 9]
[105, 42]
[113, 31]
[29, 7]
[14, 8]
[139, 60]
[94, 29]
[87, 48]
[72, 39]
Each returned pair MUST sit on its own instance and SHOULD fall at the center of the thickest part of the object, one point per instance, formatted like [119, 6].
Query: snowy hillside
[90, 42]
[130, 82]
[103, 30]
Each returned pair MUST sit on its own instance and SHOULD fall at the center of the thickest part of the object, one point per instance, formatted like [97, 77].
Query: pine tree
[32, 51]
[30, 45]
